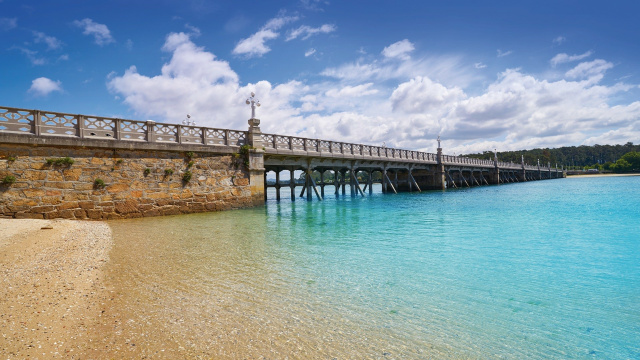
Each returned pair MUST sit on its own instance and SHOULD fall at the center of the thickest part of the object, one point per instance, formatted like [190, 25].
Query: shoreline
[53, 288]
[600, 175]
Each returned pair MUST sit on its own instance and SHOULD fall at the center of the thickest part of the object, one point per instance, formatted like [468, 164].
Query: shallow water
[538, 270]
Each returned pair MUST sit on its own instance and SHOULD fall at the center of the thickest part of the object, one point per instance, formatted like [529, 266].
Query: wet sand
[52, 291]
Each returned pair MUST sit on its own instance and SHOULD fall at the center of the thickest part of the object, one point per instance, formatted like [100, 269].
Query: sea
[536, 270]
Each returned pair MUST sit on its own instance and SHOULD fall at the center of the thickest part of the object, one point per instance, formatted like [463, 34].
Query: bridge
[355, 165]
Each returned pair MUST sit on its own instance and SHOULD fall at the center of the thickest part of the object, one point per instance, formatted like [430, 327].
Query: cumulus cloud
[7, 24]
[100, 32]
[51, 42]
[565, 58]
[254, 45]
[194, 81]
[400, 50]
[421, 94]
[305, 32]
[408, 109]
[43, 86]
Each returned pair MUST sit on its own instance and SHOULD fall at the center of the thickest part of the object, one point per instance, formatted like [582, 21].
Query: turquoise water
[537, 270]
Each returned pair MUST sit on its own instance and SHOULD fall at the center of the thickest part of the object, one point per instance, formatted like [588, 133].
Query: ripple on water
[534, 270]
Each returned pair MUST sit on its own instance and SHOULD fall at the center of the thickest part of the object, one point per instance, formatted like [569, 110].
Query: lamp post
[188, 121]
[254, 103]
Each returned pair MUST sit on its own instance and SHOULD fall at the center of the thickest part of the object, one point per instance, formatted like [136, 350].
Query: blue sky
[484, 75]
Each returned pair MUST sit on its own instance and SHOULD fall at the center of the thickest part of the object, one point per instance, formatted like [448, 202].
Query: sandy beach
[52, 289]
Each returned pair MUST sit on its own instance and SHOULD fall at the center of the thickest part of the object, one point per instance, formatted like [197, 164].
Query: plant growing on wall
[11, 159]
[244, 152]
[67, 161]
[168, 171]
[147, 171]
[99, 183]
[190, 164]
[189, 154]
[186, 176]
[8, 180]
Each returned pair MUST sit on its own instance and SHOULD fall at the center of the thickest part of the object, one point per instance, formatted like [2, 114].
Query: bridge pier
[292, 184]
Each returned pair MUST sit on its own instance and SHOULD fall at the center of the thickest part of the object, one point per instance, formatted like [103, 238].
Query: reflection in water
[459, 274]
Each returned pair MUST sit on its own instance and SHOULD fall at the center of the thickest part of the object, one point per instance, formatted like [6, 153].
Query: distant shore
[600, 175]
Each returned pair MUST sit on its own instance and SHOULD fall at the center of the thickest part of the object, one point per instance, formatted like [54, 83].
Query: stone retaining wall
[135, 183]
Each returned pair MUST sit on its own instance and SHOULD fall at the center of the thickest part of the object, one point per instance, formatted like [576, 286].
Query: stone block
[126, 207]
[94, 214]
[51, 200]
[54, 175]
[151, 212]
[32, 193]
[25, 202]
[68, 205]
[86, 204]
[28, 215]
[170, 210]
[83, 186]
[72, 174]
[116, 188]
[42, 209]
[80, 214]
[241, 181]
[30, 175]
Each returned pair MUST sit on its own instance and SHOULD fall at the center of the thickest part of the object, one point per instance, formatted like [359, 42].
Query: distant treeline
[583, 156]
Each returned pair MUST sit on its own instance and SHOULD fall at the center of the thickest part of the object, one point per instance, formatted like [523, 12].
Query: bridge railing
[48, 123]
[274, 142]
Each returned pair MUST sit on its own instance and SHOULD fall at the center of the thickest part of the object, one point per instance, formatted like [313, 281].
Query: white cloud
[559, 40]
[504, 53]
[32, 55]
[306, 32]
[51, 42]
[194, 81]
[595, 68]
[400, 50]
[193, 31]
[406, 103]
[100, 32]
[352, 91]
[421, 94]
[43, 86]
[447, 69]
[479, 65]
[309, 52]
[7, 24]
[565, 58]
[254, 45]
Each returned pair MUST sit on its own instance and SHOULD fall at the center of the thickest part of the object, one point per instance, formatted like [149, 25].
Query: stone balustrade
[49, 123]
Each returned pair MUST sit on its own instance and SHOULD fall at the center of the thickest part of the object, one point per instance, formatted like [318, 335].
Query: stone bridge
[355, 165]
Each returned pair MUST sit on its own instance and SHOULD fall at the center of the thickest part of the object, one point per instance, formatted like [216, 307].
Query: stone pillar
[278, 184]
[292, 184]
[256, 162]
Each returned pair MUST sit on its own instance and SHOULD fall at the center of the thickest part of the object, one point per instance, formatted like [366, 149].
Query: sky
[483, 75]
